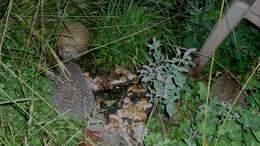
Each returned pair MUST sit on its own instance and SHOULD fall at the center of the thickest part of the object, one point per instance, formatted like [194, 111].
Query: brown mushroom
[73, 40]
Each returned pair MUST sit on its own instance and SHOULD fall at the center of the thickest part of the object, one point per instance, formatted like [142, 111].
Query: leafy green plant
[254, 89]
[157, 139]
[164, 78]
[239, 127]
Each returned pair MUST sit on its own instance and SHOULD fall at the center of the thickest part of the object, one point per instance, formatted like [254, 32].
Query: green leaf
[171, 95]
[210, 128]
[179, 79]
[177, 133]
[236, 143]
[152, 138]
[165, 142]
[230, 127]
[170, 85]
[235, 136]
[223, 142]
[249, 120]
[253, 85]
[257, 134]
[147, 79]
[190, 141]
[170, 109]
[254, 143]
[202, 90]
[158, 86]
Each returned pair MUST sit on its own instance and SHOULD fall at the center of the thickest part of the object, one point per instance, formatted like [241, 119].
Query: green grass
[119, 33]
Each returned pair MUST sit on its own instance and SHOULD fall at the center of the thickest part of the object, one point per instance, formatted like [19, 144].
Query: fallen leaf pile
[137, 89]
[101, 83]
[133, 129]
[91, 135]
[129, 121]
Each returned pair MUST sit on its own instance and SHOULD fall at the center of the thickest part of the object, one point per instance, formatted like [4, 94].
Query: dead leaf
[127, 73]
[91, 135]
[139, 131]
[143, 104]
[137, 89]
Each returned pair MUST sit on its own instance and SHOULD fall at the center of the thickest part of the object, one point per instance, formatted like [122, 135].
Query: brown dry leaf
[98, 102]
[87, 75]
[115, 121]
[93, 137]
[134, 113]
[116, 82]
[127, 102]
[122, 127]
[90, 134]
[137, 89]
[139, 131]
[97, 84]
[143, 104]
[100, 83]
[127, 73]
